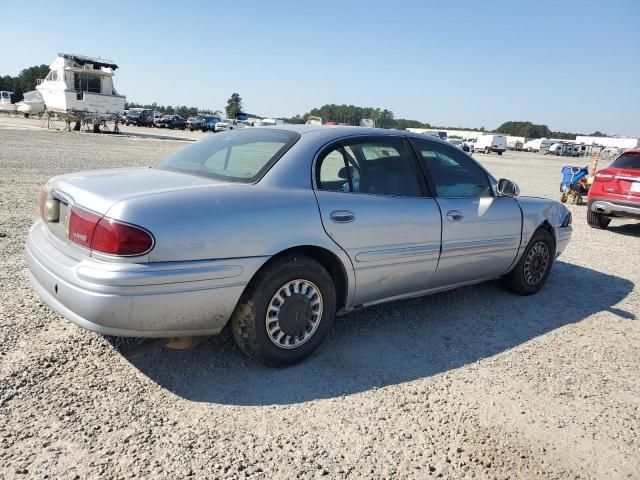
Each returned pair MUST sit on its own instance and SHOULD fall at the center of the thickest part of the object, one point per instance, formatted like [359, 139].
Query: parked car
[173, 122]
[140, 117]
[615, 191]
[157, 116]
[514, 145]
[224, 125]
[274, 231]
[491, 143]
[209, 123]
[440, 134]
[457, 141]
[195, 122]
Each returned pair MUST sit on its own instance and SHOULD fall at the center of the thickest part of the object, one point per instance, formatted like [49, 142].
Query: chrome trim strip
[392, 253]
[478, 244]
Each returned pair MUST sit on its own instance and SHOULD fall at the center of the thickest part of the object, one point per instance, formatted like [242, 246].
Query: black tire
[521, 280]
[248, 323]
[486, 150]
[597, 220]
[499, 152]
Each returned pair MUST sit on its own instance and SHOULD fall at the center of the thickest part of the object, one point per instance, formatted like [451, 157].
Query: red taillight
[604, 176]
[82, 223]
[42, 199]
[120, 239]
[106, 235]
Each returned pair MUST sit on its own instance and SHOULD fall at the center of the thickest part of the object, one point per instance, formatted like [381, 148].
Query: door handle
[342, 216]
[454, 215]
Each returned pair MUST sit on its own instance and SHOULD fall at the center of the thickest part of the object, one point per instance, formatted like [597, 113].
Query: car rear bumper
[167, 299]
[618, 209]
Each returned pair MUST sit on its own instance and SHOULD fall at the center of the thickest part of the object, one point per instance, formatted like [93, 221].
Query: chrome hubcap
[536, 263]
[294, 313]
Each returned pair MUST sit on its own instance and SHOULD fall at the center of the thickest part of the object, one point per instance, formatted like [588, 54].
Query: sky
[572, 65]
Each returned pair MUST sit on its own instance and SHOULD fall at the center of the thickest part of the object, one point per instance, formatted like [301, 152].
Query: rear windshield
[237, 156]
[627, 160]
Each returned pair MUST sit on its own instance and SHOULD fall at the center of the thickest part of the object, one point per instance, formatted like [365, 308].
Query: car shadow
[388, 344]
[629, 229]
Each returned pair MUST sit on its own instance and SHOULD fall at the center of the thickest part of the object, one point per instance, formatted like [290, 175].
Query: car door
[374, 204]
[480, 230]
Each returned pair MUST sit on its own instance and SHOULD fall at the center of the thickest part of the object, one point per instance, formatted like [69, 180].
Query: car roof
[335, 132]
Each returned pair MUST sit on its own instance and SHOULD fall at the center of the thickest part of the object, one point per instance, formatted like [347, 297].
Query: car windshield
[133, 114]
[237, 156]
[627, 160]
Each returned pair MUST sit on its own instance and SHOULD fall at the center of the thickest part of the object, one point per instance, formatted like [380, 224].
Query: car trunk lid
[627, 182]
[99, 190]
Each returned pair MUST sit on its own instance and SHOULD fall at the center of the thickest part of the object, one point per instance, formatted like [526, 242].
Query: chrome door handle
[342, 216]
[454, 215]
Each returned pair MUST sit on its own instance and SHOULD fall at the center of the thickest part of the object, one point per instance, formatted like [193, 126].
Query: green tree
[234, 105]
[26, 80]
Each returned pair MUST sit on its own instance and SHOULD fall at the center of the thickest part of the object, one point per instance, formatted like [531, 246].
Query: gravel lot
[472, 383]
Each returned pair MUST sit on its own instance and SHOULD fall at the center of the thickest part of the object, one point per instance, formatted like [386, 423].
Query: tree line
[352, 114]
[25, 81]
[531, 130]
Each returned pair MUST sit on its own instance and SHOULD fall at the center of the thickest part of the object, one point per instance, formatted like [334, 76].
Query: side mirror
[507, 188]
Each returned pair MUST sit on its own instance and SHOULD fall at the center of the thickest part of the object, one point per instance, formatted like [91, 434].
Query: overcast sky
[572, 65]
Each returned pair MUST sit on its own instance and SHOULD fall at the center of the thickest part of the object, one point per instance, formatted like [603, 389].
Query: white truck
[491, 143]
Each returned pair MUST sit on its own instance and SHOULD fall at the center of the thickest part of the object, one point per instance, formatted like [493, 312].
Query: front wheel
[286, 311]
[486, 150]
[499, 152]
[533, 269]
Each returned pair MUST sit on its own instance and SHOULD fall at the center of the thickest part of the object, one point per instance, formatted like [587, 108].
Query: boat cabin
[80, 85]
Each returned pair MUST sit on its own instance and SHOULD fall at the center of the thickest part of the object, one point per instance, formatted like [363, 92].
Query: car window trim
[423, 164]
[343, 142]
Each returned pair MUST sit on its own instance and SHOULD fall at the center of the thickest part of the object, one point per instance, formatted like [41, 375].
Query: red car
[616, 191]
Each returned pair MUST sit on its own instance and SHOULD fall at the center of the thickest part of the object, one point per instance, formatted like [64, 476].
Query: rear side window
[380, 166]
[627, 160]
[237, 156]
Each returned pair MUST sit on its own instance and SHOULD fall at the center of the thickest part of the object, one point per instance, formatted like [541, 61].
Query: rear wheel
[499, 152]
[597, 220]
[486, 150]
[533, 269]
[286, 311]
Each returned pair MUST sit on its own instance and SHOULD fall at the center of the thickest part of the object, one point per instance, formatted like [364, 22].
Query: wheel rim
[294, 314]
[536, 263]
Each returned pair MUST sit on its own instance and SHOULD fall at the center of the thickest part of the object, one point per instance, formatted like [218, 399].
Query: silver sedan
[274, 231]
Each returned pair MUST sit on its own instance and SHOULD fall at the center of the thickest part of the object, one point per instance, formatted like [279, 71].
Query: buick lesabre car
[274, 231]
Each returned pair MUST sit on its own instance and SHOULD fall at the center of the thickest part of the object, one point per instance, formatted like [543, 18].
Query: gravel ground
[472, 383]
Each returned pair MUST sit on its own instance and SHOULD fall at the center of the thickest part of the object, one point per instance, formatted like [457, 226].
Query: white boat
[7, 102]
[32, 104]
[81, 88]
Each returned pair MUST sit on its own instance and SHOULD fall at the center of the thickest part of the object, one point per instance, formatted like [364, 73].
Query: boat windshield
[236, 156]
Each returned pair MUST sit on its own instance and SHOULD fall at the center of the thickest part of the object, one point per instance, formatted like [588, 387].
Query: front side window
[454, 173]
[379, 166]
[237, 156]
